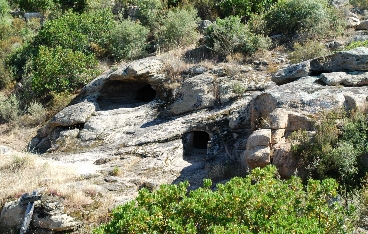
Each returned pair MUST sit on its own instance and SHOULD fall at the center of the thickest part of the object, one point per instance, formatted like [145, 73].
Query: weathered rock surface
[352, 60]
[48, 215]
[292, 73]
[257, 153]
[345, 78]
[4, 150]
[345, 61]
[73, 115]
[363, 25]
[196, 93]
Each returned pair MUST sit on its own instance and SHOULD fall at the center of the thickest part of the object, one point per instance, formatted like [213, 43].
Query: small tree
[61, 70]
[178, 28]
[127, 40]
[229, 35]
[35, 5]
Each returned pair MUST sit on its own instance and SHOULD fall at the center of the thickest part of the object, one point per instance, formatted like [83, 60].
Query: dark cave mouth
[200, 139]
[122, 94]
[195, 142]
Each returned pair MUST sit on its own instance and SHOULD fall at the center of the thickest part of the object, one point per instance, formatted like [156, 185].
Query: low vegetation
[338, 148]
[259, 203]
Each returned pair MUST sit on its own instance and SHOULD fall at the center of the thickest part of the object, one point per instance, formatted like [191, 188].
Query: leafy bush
[337, 148]
[178, 28]
[356, 44]
[315, 18]
[363, 4]
[244, 7]
[35, 5]
[308, 50]
[4, 8]
[229, 35]
[149, 11]
[77, 31]
[9, 108]
[61, 70]
[259, 203]
[77, 5]
[35, 114]
[127, 40]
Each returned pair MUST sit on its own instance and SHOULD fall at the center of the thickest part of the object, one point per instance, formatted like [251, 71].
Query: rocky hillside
[135, 126]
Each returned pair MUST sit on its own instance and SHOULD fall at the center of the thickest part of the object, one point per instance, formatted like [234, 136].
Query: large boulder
[257, 153]
[363, 25]
[73, 115]
[47, 215]
[286, 164]
[352, 60]
[196, 93]
[345, 78]
[291, 73]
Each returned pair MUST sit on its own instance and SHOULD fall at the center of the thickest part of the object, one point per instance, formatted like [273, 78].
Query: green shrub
[259, 203]
[362, 4]
[335, 150]
[127, 40]
[4, 8]
[207, 9]
[77, 31]
[35, 114]
[9, 108]
[178, 28]
[244, 7]
[308, 50]
[315, 18]
[149, 11]
[356, 44]
[61, 70]
[76, 5]
[229, 35]
[35, 5]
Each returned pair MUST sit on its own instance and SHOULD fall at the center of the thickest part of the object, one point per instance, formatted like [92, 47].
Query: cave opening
[195, 142]
[200, 139]
[125, 94]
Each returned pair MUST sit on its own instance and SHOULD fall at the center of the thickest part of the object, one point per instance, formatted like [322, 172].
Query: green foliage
[259, 203]
[335, 150]
[315, 18]
[35, 5]
[77, 5]
[308, 50]
[127, 40]
[207, 9]
[356, 44]
[77, 31]
[244, 7]
[178, 28]
[9, 108]
[61, 70]
[4, 8]
[149, 11]
[229, 35]
[362, 4]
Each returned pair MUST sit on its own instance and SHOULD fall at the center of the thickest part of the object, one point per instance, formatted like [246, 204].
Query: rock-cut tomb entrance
[116, 94]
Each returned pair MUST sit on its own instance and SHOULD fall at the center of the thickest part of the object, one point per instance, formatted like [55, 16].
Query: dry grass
[27, 172]
[174, 64]
[16, 137]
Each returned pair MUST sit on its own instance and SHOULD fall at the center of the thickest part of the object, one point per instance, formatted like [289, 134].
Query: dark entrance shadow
[117, 94]
[195, 152]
